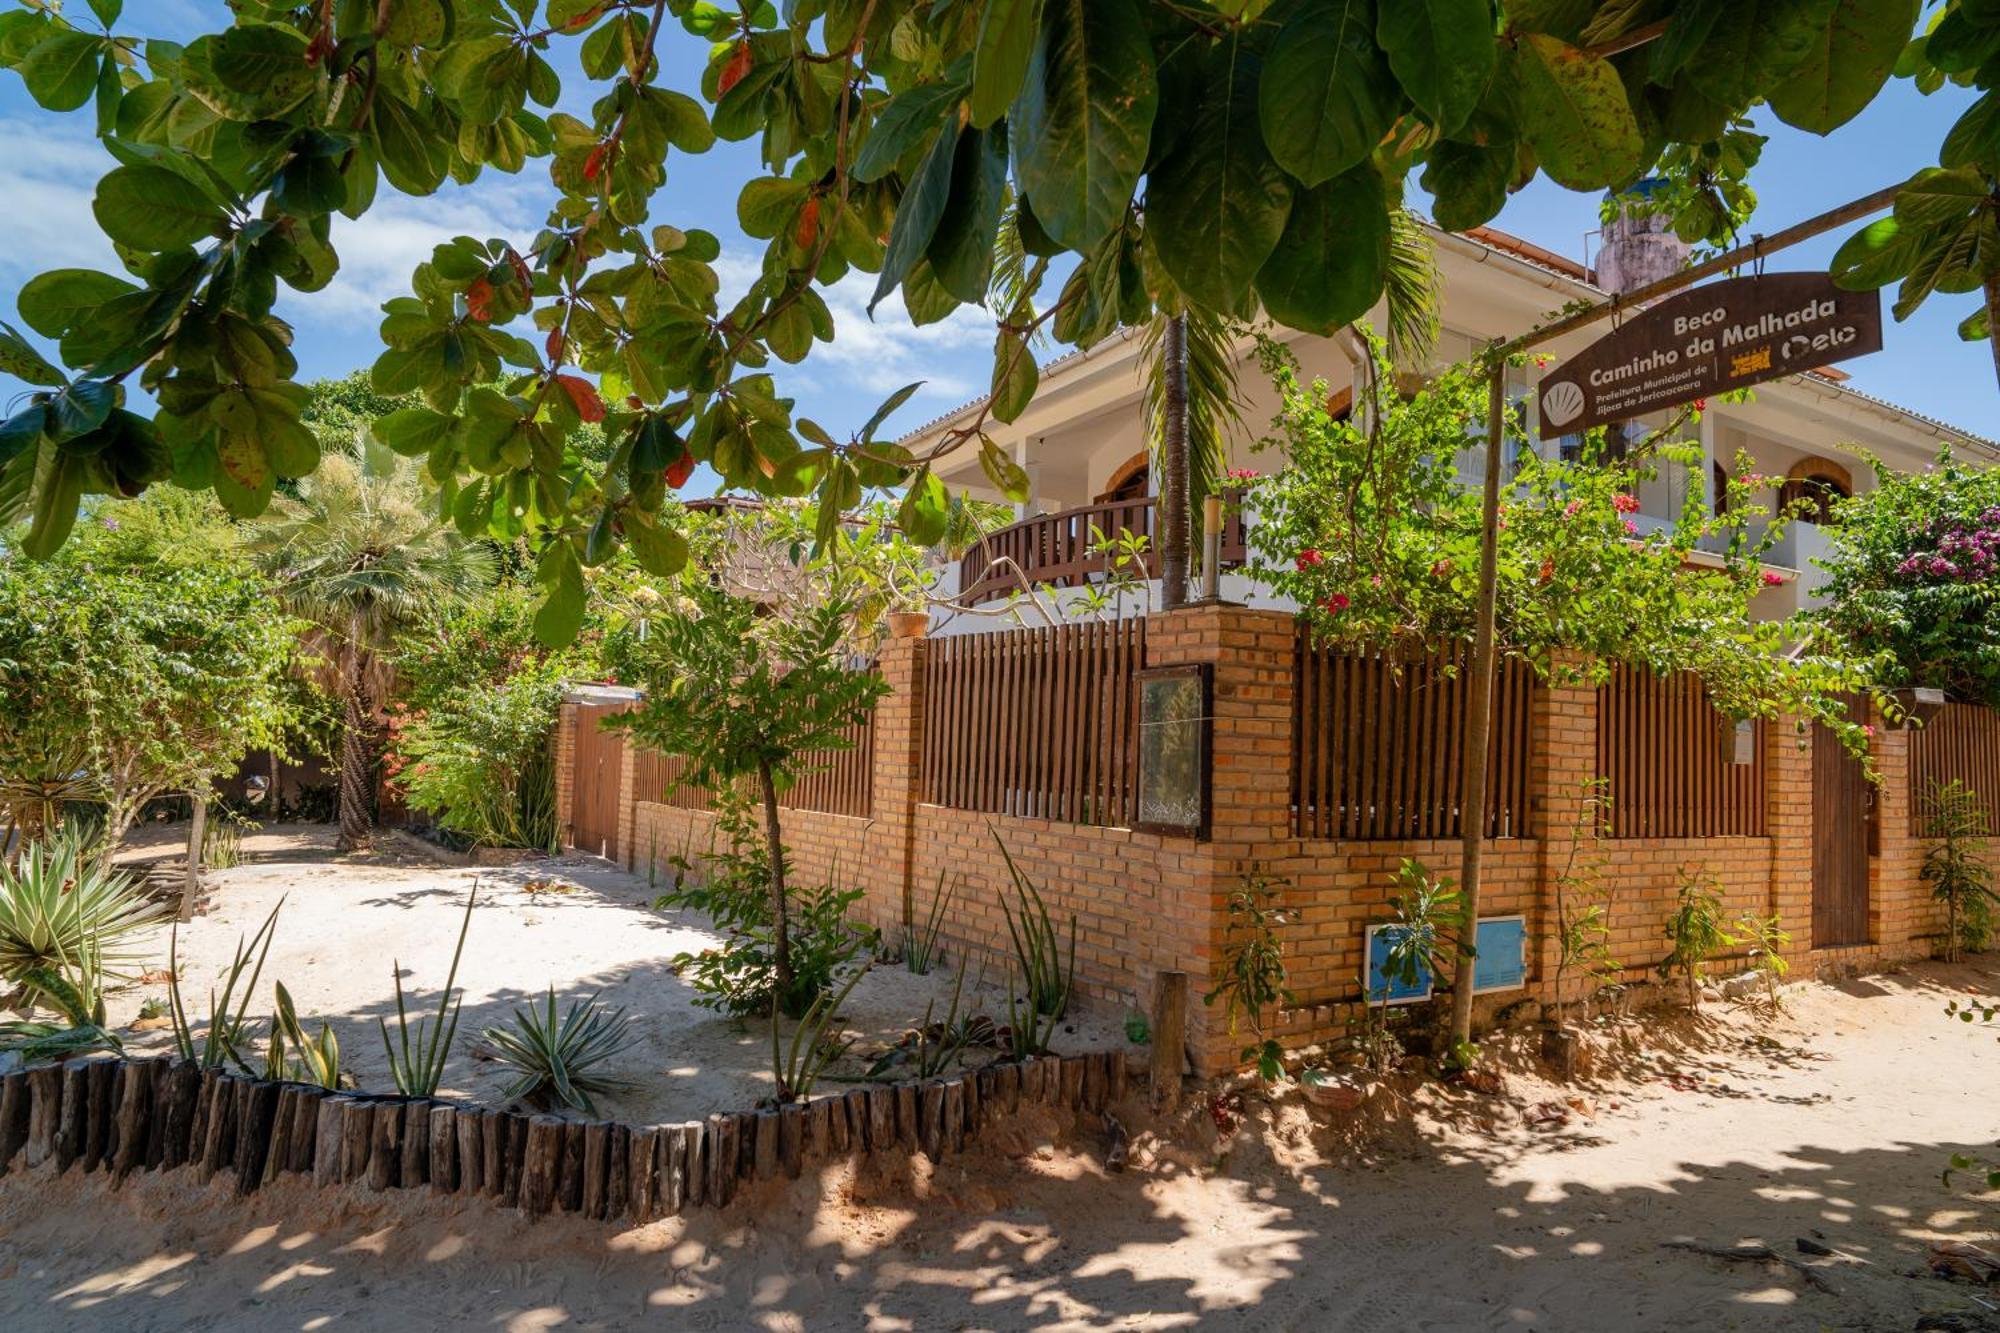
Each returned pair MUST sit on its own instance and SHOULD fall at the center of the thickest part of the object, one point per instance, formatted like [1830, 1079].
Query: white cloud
[379, 250]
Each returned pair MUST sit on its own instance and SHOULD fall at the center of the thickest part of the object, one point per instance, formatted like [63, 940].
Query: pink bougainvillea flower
[1571, 509]
[1631, 528]
[1441, 570]
[1625, 502]
[1241, 474]
[1309, 558]
[1772, 578]
[1335, 604]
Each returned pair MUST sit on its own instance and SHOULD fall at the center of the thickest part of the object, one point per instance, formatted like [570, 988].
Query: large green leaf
[59, 476]
[151, 208]
[1850, 59]
[1006, 44]
[1687, 28]
[961, 251]
[266, 61]
[1015, 375]
[1974, 139]
[1333, 257]
[1215, 208]
[902, 125]
[1877, 255]
[1755, 44]
[561, 613]
[19, 359]
[1468, 184]
[56, 300]
[1936, 197]
[1327, 96]
[1575, 115]
[1443, 53]
[61, 70]
[1084, 116]
[917, 216]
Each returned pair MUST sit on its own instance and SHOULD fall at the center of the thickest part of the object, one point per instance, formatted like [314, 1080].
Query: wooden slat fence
[1962, 742]
[1035, 722]
[1377, 744]
[656, 777]
[838, 782]
[1664, 751]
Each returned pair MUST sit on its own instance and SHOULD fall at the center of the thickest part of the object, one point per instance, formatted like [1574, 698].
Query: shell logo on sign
[1561, 403]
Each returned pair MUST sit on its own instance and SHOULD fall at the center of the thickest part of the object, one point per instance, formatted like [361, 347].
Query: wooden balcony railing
[1055, 549]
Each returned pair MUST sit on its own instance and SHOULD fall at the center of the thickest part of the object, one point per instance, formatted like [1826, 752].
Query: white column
[1028, 508]
[1707, 479]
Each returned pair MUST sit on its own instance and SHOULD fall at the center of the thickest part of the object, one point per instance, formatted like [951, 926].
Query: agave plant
[416, 1060]
[59, 905]
[310, 1059]
[1045, 978]
[797, 1066]
[225, 1037]
[554, 1058]
[77, 994]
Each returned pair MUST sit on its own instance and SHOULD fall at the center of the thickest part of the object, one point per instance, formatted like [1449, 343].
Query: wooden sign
[1706, 341]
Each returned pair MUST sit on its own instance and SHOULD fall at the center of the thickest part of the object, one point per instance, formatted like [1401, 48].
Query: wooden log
[135, 1108]
[930, 1119]
[218, 1124]
[204, 1102]
[988, 1080]
[1007, 1078]
[416, 1164]
[514, 1159]
[952, 1131]
[722, 1159]
[791, 1139]
[541, 1165]
[617, 1171]
[850, 1121]
[881, 1119]
[156, 1118]
[1095, 1077]
[15, 1111]
[442, 1136]
[643, 1168]
[668, 1145]
[1114, 1092]
[329, 1126]
[1030, 1073]
[496, 1144]
[357, 1138]
[253, 1133]
[569, 1177]
[975, 1102]
[72, 1116]
[385, 1153]
[697, 1149]
[45, 1094]
[305, 1127]
[177, 1140]
[596, 1169]
[470, 1121]
[1170, 1008]
[765, 1162]
[819, 1114]
[281, 1132]
[908, 1130]
[1071, 1097]
[102, 1083]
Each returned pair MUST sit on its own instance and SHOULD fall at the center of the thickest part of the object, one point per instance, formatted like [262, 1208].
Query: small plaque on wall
[1174, 733]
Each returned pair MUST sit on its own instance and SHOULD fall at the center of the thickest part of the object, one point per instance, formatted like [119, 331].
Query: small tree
[747, 697]
[1583, 930]
[1254, 976]
[1695, 930]
[1955, 865]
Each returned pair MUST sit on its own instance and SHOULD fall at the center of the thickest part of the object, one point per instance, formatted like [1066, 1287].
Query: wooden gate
[599, 760]
[1843, 806]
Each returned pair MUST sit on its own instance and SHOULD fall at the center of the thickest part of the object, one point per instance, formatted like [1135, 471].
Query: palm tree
[359, 554]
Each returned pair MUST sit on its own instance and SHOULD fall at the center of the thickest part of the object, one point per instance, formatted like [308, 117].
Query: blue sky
[52, 163]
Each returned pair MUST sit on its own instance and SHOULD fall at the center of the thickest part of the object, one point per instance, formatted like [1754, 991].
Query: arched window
[1815, 485]
[1130, 480]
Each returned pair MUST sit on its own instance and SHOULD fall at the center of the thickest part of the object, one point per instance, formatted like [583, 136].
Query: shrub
[1768, 939]
[1695, 930]
[555, 1059]
[1253, 969]
[1955, 866]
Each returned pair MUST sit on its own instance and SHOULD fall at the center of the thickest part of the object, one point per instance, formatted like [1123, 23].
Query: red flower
[1335, 604]
[479, 300]
[1701, 404]
[1772, 578]
[681, 470]
[583, 396]
[1309, 558]
[733, 72]
[1441, 570]
[1625, 502]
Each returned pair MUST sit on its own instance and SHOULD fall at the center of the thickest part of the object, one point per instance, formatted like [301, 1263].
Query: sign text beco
[1706, 341]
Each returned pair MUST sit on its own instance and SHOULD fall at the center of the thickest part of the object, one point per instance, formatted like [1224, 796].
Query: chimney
[1639, 242]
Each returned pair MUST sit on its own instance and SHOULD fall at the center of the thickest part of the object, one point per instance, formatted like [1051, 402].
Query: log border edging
[120, 1115]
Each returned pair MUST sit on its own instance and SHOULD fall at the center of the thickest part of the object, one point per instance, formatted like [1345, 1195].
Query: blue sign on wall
[1502, 963]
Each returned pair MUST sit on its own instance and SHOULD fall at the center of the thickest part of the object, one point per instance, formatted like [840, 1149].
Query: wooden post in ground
[1170, 999]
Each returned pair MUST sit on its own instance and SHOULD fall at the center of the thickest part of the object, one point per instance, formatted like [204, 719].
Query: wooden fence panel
[835, 782]
[1961, 743]
[1665, 754]
[1035, 722]
[1376, 744]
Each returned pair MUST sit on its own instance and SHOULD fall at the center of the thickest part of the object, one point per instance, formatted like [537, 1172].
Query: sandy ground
[1450, 1210]
[348, 927]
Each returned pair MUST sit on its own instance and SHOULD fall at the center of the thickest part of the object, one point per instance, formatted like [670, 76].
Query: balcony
[1055, 549]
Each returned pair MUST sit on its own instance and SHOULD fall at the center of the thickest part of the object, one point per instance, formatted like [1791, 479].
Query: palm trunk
[781, 967]
[356, 768]
[1174, 524]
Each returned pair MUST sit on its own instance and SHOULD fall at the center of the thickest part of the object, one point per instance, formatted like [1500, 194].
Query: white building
[1083, 442]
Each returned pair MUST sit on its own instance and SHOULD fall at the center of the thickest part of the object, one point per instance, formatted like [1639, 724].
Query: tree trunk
[356, 770]
[1174, 522]
[197, 831]
[780, 923]
[1993, 316]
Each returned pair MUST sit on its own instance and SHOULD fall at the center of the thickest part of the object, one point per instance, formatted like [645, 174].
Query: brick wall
[1146, 903]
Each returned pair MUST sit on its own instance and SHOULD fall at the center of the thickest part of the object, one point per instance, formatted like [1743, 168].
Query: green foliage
[295, 1057]
[1253, 973]
[225, 1037]
[1914, 577]
[66, 917]
[796, 1065]
[921, 948]
[1954, 865]
[1423, 930]
[1046, 979]
[555, 1059]
[1766, 939]
[1583, 902]
[1373, 532]
[1695, 931]
[1251, 150]
[417, 1055]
